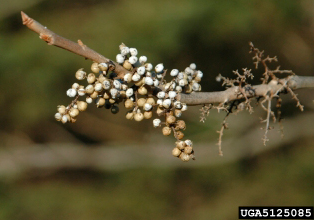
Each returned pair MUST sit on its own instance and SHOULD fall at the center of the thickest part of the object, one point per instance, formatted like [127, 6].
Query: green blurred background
[105, 167]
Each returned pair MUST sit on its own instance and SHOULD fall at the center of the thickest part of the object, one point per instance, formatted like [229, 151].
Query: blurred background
[106, 167]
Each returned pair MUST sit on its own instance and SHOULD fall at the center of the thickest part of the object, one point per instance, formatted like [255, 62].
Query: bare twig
[78, 48]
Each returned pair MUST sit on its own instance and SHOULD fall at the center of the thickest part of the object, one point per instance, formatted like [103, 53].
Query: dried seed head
[95, 68]
[80, 74]
[176, 152]
[160, 111]
[166, 131]
[81, 105]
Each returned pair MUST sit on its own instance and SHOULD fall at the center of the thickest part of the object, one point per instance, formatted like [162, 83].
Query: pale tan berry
[142, 90]
[148, 114]
[61, 109]
[128, 103]
[106, 95]
[127, 65]
[179, 135]
[160, 111]
[170, 119]
[80, 74]
[180, 125]
[166, 131]
[103, 66]
[100, 102]
[74, 112]
[112, 101]
[180, 145]
[89, 89]
[138, 116]
[151, 101]
[184, 157]
[188, 150]
[94, 95]
[140, 82]
[141, 102]
[95, 68]
[91, 78]
[176, 152]
[129, 115]
[81, 105]
[177, 113]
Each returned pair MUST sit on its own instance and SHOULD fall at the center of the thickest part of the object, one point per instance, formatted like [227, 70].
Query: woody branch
[199, 98]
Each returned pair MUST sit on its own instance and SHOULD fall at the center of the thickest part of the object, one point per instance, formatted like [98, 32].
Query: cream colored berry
[171, 119]
[141, 102]
[129, 115]
[74, 112]
[188, 150]
[166, 131]
[180, 125]
[184, 157]
[176, 152]
[81, 105]
[142, 90]
[151, 101]
[148, 114]
[100, 102]
[61, 109]
[128, 103]
[179, 135]
[95, 68]
[80, 74]
[180, 145]
[91, 78]
[138, 116]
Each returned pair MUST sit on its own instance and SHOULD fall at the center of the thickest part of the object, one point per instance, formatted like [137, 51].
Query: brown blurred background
[106, 167]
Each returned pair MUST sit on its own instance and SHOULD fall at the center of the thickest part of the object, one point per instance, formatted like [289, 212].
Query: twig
[78, 48]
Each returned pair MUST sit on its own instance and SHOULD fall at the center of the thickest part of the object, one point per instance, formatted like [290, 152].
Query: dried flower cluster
[142, 90]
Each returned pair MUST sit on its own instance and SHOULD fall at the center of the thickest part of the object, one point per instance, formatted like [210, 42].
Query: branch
[78, 48]
[293, 82]
[198, 98]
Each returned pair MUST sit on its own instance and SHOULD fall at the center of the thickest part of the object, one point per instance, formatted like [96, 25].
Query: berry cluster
[142, 89]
